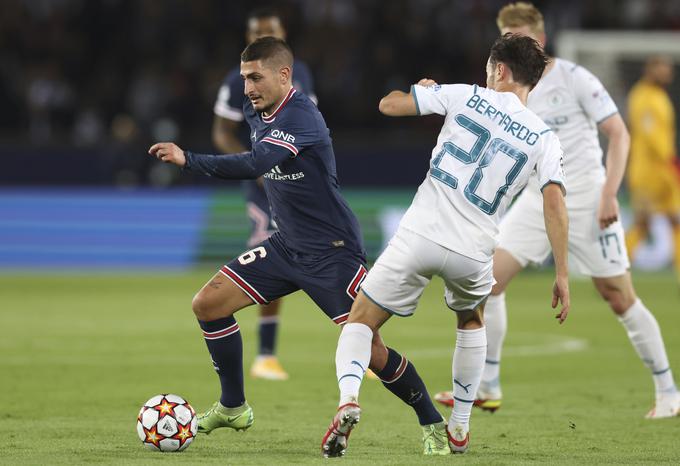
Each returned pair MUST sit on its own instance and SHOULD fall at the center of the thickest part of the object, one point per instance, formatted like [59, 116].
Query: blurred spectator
[69, 67]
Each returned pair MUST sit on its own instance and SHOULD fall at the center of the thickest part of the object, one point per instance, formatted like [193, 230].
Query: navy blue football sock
[223, 338]
[269, 326]
[401, 378]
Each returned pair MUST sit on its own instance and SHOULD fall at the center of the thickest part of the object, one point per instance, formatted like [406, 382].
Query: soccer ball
[167, 423]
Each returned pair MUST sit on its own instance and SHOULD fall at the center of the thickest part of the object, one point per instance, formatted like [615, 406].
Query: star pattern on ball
[184, 433]
[166, 407]
[153, 437]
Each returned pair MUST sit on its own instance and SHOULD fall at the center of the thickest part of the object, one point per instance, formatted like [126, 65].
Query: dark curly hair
[523, 55]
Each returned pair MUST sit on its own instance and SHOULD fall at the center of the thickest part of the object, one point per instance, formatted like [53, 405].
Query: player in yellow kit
[652, 178]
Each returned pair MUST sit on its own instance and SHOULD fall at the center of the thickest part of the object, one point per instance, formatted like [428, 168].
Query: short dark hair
[269, 48]
[263, 13]
[522, 54]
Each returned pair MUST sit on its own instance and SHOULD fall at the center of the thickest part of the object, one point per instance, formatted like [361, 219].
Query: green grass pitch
[79, 354]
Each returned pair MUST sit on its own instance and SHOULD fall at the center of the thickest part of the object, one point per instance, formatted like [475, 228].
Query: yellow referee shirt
[652, 179]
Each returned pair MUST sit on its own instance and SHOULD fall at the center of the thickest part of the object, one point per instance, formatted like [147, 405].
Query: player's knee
[202, 307]
[470, 320]
[366, 312]
[618, 300]
[498, 288]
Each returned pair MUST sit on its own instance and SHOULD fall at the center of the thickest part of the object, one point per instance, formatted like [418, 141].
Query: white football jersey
[486, 151]
[572, 101]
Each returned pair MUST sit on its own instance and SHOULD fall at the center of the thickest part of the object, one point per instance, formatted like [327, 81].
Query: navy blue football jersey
[292, 149]
[229, 105]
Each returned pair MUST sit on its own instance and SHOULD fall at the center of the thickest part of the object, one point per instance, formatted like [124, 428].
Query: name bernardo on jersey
[488, 148]
[518, 130]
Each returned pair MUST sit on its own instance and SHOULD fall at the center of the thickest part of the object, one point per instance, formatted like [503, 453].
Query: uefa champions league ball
[167, 423]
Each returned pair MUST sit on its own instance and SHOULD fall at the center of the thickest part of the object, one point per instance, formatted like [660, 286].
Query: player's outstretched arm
[557, 227]
[617, 156]
[399, 103]
[241, 166]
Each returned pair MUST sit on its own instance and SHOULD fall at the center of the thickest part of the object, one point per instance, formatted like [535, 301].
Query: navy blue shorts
[270, 271]
[259, 213]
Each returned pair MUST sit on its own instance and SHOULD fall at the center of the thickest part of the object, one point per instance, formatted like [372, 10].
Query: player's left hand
[561, 296]
[168, 153]
[608, 212]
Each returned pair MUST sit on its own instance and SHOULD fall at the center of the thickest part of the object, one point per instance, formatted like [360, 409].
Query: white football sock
[468, 363]
[351, 360]
[496, 322]
[645, 335]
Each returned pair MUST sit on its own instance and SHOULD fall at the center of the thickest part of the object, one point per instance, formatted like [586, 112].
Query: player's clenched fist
[169, 153]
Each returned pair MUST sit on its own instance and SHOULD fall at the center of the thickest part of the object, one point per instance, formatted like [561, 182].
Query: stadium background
[87, 87]
[92, 325]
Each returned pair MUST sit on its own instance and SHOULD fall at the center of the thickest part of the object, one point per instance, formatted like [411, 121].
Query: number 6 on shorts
[249, 256]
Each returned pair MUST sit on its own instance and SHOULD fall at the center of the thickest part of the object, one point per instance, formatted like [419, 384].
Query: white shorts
[592, 251]
[399, 276]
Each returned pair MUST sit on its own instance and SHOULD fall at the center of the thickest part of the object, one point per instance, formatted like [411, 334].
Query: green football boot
[218, 416]
[435, 441]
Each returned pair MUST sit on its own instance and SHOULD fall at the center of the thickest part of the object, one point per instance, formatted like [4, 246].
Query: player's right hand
[561, 296]
[168, 153]
[427, 82]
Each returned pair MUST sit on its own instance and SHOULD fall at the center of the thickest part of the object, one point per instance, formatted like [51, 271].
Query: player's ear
[500, 72]
[286, 74]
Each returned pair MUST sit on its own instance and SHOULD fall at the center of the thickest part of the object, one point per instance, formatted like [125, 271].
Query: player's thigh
[261, 273]
[397, 279]
[468, 282]
[364, 311]
[596, 252]
[505, 267]
[333, 281]
[522, 236]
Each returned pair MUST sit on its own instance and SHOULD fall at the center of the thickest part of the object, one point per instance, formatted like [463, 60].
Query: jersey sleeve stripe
[415, 98]
[285, 144]
[225, 111]
[564, 190]
[607, 117]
